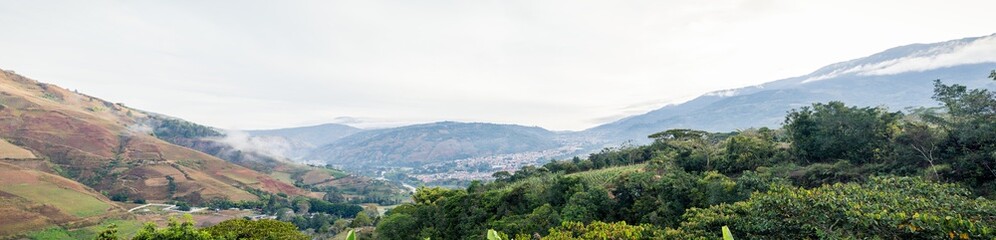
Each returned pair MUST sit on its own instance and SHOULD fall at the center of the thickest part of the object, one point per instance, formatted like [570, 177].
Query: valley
[453, 153]
[864, 148]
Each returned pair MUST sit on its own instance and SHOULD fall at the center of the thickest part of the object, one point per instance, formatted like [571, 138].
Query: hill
[32, 200]
[416, 145]
[111, 148]
[896, 78]
[249, 152]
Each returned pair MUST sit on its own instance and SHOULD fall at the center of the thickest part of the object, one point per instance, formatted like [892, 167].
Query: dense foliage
[831, 172]
[306, 213]
[168, 128]
[883, 207]
[255, 230]
[226, 230]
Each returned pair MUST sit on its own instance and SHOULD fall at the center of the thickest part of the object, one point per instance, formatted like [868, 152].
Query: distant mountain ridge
[428, 143]
[897, 78]
[317, 135]
[296, 143]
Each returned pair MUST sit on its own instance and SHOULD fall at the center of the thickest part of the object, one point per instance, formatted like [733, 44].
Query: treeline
[369, 191]
[316, 215]
[170, 128]
[226, 230]
[832, 171]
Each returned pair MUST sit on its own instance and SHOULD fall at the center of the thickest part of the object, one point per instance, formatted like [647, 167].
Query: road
[169, 207]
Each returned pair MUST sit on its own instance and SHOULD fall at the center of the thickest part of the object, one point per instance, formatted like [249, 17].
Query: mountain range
[428, 143]
[57, 144]
[896, 78]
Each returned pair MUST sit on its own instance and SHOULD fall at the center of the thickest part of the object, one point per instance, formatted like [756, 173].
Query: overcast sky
[562, 65]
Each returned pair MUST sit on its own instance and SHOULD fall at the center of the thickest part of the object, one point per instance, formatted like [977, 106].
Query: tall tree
[832, 131]
[971, 143]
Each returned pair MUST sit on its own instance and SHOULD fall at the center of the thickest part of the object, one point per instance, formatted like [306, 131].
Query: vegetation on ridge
[831, 172]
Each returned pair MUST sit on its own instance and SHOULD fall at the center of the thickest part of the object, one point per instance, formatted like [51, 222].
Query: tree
[589, 205]
[256, 230]
[334, 197]
[119, 197]
[690, 149]
[170, 185]
[602, 230]
[182, 206]
[339, 225]
[174, 230]
[657, 196]
[397, 226]
[543, 218]
[971, 143]
[925, 139]
[679, 134]
[302, 206]
[337, 209]
[832, 131]
[714, 188]
[425, 195]
[111, 233]
[284, 214]
[747, 150]
[501, 176]
[577, 209]
[361, 220]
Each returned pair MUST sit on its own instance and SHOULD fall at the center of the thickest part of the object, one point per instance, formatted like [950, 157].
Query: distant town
[481, 168]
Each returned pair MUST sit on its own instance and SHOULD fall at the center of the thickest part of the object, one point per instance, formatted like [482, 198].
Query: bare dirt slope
[11, 151]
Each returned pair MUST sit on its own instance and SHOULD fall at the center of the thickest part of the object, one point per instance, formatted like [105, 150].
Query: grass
[283, 177]
[67, 200]
[51, 233]
[240, 178]
[315, 175]
[336, 173]
[126, 228]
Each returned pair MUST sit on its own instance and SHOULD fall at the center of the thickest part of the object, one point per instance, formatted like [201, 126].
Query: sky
[561, 65]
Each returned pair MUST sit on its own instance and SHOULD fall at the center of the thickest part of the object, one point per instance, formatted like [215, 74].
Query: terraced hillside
[32, 200]
[108, 147]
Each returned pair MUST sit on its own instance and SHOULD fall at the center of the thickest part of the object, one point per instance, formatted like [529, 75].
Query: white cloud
[276, 147]
[945, 55]
[979, 51]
